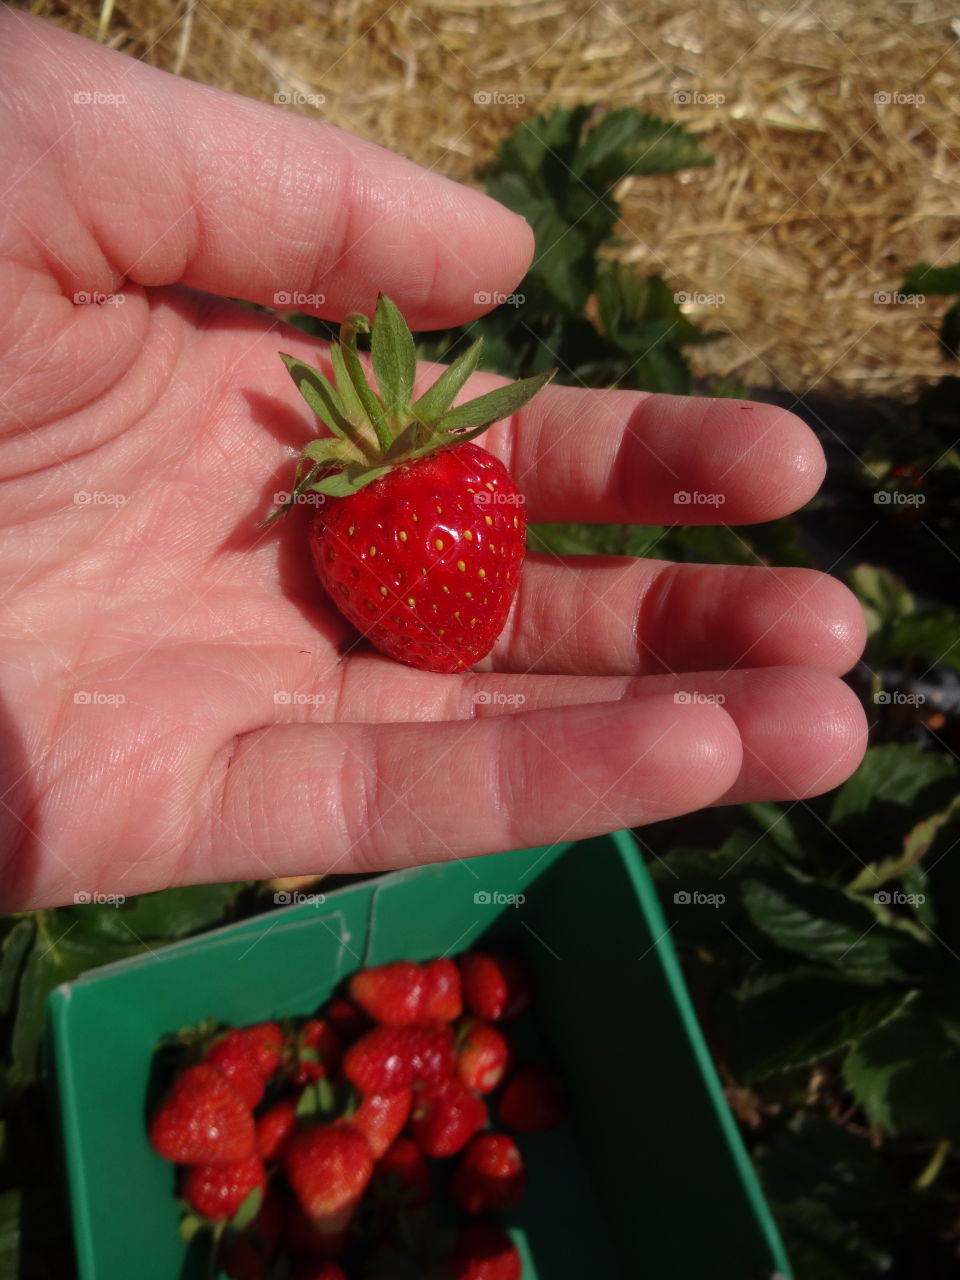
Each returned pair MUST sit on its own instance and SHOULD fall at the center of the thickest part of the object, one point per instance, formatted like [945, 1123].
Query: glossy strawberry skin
[236, 1060]
[425, 561]
[275, 1127]
[390, 994]
[442, 994]
[203, 1120]
[490, 1175]
[484, 1251]
[532, 1102]
[496, 988]
[216, 1191]
[388, 1059]
[445, 1117]
[380, 1117]
[329, 1166]
[401, 1176]
[482, 1055]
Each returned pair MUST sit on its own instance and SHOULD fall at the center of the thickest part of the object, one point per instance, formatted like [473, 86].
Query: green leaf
[10, 1214]
[437, 399]
[352, 407]
[248, 1210]
[904, 1075]
[628, 142]
[166, 915]
[884, 597]
[827, 924]
[915, 845]
[394, 358]
[319, 395]
[791, 1019]
[923, 278]
[54, 958]
[933, 634]
[352, 478]
[15, 947]
[501, 403]
[880, 804]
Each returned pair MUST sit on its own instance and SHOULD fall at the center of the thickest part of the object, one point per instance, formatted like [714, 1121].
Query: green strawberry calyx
[377, 430]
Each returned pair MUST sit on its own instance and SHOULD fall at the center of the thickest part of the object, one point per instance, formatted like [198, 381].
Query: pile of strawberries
[309, 1149]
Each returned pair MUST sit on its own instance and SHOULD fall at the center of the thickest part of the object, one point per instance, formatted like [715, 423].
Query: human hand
[223, 735]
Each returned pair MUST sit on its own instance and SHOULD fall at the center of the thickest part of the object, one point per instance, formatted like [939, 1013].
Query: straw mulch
[820, 197]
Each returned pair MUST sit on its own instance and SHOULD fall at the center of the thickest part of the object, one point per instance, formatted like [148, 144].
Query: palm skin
[182, 703]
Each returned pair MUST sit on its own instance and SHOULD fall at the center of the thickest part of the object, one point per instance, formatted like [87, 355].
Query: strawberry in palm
[418, 535]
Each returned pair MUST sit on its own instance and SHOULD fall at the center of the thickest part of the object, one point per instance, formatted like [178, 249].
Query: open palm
[181, 701]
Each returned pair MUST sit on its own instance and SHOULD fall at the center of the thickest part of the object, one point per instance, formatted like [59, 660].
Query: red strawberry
[485, 1252]
[490, 1175]
[274, 1128]
[308, 1269]
[316, 1052]
[235, 1058]
[346, 1019]
[402, 1177]
[495, 987]
[532, 1101]
[391, 994]
[388, 1059]
[420, 535]
[442, 998]
[248, 1254]
[380, 1117]
[216, 1191]
[445, 1117]
[203, 1120]
[329, 1166]
[266, 1041]
[482, 1055]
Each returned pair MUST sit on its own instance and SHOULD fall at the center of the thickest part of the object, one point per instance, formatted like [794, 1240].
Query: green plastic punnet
[648, 1178]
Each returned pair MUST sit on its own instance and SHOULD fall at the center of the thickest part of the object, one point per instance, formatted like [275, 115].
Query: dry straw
[834, 126]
